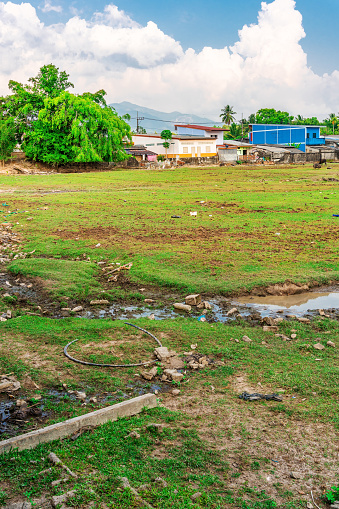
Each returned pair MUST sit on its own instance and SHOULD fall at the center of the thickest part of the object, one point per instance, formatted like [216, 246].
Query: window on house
[185, 150]
[308, 135]
[149, 144]
[314, 135]
[208, 150]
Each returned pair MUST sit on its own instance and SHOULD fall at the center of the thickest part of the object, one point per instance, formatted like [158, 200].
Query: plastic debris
[256, 396]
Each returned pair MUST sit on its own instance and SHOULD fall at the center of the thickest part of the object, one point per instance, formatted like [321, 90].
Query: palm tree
[299, 119]
[234, 133]
[227, 114]
[333, 119]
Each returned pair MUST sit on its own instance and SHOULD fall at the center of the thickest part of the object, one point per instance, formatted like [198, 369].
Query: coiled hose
[113, 365]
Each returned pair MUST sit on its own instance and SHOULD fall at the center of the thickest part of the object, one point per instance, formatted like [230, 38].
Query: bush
[160, 158]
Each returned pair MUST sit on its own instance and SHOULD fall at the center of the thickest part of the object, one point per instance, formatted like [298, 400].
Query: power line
[171, 121]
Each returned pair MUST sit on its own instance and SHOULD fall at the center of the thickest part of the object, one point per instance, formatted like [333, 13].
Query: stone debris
[149, 375]
[175, 392]
[319, 346]
[302, 319]
[155, 427]
[196, 496]
[193, 300]
[330, 343]
[270, 328]
[53, 458]
[295, 475]
[77, 309]
[162, 353]
[232, 312]
[151, 317]
[59, 501]
[81, 395]
[293, 336]
[9, 383]
[182, 307]
[173, 375]
[149, 301]
[133, 434]
[99, 302]
[246, 339]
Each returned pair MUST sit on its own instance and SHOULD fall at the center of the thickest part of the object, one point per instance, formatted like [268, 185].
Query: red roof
[201, 127]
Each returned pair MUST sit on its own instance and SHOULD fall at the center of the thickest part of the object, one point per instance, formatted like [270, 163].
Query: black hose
[112, 365]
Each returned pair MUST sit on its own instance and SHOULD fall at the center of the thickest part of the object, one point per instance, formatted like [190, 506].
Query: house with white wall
[181, 145]
[196, 130]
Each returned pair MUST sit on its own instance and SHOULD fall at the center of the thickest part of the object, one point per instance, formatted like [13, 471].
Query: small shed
[140, 153]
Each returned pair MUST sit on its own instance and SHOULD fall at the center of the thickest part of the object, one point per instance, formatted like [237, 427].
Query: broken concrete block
[162, 353]
[193, 300]
[232, 311]
[77, 309]
[270, 328]
[149, 375]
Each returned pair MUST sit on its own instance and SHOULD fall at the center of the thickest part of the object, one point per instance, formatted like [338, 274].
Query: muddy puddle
[30, 299]
[298, 304]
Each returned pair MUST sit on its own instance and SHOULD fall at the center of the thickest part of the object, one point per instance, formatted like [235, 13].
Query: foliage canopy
[57, 127]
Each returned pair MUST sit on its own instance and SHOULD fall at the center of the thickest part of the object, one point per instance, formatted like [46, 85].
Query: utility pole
[242, 125]
[139, 118]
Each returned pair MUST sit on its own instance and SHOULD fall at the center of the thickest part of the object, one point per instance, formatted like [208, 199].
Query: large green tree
[227, 114]
[272, 116]
[7, 137]
[235, 132]
[57, 127]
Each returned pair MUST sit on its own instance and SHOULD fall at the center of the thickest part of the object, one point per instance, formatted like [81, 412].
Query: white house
[196, 130]
[181, 145]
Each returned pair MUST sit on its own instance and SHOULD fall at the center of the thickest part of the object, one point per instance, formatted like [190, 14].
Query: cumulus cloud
[48, 7]
[266, 67]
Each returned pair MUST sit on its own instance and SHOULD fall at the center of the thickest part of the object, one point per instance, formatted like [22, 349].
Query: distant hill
[154, 120]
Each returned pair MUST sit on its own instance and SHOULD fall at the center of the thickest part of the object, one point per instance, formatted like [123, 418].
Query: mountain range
[156, 121]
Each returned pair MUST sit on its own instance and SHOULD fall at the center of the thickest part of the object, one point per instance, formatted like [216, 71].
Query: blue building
[298, 136]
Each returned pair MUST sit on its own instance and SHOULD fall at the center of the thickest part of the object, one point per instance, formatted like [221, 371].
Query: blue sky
[187, 21]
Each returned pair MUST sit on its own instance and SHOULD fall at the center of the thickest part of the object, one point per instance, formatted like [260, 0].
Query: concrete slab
[66, 428]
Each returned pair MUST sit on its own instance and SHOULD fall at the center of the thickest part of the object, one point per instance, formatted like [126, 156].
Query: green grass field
[254, 227]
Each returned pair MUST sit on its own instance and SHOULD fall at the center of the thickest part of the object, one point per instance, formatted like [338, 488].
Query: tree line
[238, 130]
[55, 126]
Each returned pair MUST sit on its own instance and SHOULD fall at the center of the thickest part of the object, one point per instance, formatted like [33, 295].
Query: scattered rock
[9, 383]
[95, 303]
[151, 317]
[182, 307]
[174, 375]
[246, 339]
[9, 314]
[149, 301]
[268, 320]
[196, 496]
[175, 392]
[93, 400]
[59, 501]
[319, 346]
[231, 312]
[295, 475]
[207, 305]
[21, 402]
[193, 300]
[162, 353]
[149, 375]
[80, 395]
[278, 320]
[134, 434]
[302, 319]
[330, 343]
[270, 328]
[175, 363]
[77, 309]
[293, 336]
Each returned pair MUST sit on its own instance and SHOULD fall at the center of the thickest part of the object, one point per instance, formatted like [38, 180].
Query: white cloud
[48, 7]
[266, 67]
